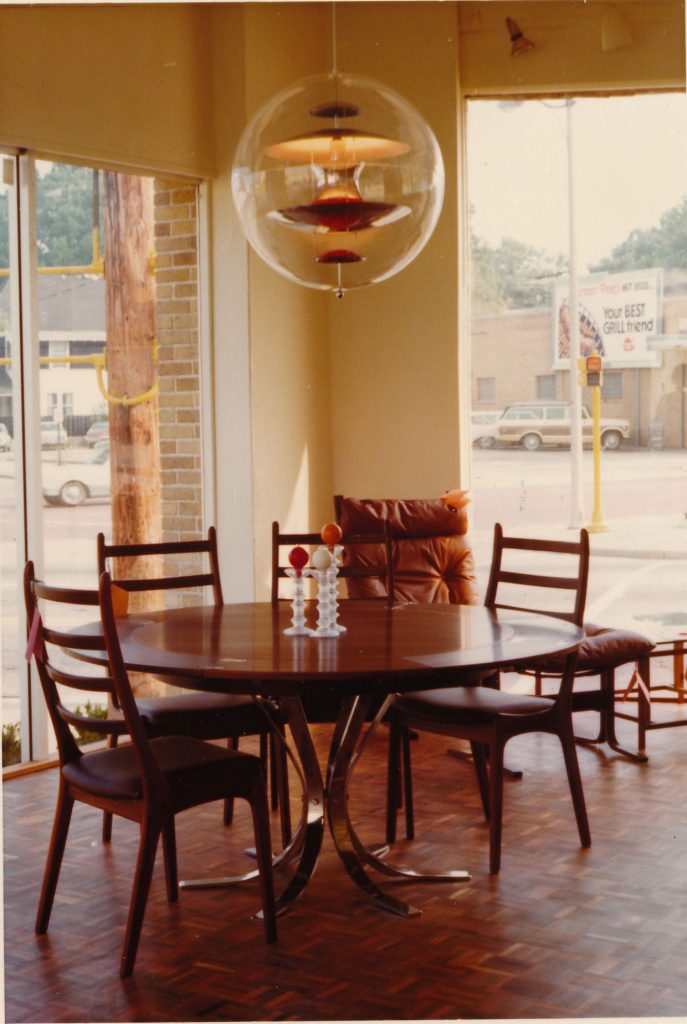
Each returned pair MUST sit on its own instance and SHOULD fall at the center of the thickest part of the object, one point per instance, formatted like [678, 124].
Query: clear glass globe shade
[338, 182]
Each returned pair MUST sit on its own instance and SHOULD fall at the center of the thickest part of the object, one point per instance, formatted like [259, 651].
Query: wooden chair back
[46, 642]
[153, 782]
[521, 583]
[124, 576]
[369, 576]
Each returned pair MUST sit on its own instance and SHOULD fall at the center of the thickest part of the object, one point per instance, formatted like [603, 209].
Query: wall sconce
[338, 182]
[520, 44]
[615, 31]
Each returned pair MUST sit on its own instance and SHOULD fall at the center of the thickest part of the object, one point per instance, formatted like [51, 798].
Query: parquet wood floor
[561, 932]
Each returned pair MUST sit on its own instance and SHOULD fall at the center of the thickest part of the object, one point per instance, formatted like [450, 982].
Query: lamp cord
[334, 67]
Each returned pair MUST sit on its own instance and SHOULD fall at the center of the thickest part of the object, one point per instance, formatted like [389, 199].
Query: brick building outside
[512, 361]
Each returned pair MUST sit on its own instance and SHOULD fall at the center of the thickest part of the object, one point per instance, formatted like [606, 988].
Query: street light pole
[575, 393]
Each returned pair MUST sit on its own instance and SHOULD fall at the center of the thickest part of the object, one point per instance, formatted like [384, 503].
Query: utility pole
[575, 394]
[130, 323]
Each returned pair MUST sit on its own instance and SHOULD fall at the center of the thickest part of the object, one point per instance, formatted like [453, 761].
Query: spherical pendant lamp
[338, 182]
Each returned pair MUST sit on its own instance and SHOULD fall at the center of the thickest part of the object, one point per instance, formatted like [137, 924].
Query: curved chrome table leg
[307, 839]
[311, 828]
[349, 847]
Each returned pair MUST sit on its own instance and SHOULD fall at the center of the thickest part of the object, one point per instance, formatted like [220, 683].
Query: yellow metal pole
[597, 524]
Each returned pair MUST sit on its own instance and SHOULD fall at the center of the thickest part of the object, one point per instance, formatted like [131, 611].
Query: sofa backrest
[433, 560]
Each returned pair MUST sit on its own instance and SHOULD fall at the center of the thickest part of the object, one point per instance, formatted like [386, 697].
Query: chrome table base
[347, 746]
[354, 855]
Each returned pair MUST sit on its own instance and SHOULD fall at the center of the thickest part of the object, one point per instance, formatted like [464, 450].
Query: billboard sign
[618, 315]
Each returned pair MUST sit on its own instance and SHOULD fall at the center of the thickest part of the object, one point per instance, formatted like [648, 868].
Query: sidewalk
[643, 536]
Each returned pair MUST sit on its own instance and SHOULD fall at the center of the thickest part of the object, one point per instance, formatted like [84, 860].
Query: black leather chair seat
[603, 648]
[195, 771]
[466, 703]
[207, 716]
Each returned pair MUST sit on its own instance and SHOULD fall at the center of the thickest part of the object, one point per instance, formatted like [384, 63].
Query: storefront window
[119, 443]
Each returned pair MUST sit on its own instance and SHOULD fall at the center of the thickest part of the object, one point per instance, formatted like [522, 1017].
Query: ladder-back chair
[207, 716]
[488, 717]
[148, 780]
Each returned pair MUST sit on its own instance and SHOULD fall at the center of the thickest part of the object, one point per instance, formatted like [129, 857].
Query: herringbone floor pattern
[561, 932]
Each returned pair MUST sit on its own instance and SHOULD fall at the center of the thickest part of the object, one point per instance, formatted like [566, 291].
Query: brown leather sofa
[433, 561]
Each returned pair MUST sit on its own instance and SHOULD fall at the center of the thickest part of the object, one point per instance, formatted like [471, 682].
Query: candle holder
[324, 603]
[298, 626]
[332, 572]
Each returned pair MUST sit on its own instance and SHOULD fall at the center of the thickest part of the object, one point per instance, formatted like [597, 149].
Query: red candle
[298, 557]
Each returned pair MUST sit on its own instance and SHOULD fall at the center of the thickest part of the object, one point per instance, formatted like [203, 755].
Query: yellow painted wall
[394, 346]
[226, 311]
[127, 85]
[271, 356]
[289, 352]
[567, 46]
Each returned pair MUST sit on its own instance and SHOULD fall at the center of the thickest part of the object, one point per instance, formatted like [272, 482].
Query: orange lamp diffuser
[338, 182]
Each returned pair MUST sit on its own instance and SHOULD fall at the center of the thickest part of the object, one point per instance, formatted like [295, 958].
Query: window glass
[630, 221]
[546, 385]
[11, 553]
[486, 389]
[612, 386]
[520, 414]
[120, 443]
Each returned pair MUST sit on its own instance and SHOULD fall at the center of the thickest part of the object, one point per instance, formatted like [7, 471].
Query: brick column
[176, 246]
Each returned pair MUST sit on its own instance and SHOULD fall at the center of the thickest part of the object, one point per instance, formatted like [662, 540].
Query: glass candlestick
[298, 626]
[324, 601]
[335, 550]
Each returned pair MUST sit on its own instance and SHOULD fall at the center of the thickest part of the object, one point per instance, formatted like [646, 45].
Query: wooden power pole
[131, 373]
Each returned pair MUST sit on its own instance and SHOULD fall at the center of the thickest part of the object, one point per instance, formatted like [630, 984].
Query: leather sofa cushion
[433, 560]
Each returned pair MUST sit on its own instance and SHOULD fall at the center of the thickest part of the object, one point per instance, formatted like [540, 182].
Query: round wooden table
[385, 650]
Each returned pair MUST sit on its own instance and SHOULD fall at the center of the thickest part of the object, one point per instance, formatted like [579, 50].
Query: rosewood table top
[243, 646]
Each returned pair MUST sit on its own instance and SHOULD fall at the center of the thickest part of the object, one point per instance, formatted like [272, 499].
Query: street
[528, 490]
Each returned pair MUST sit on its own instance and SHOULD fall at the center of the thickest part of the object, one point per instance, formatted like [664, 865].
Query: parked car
[483, 427]
[52, 434]
[72, 482]
[98, 431]
[536, 424]
[5, 438]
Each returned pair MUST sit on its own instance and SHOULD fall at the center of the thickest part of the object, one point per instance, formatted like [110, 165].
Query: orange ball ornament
[331, 534]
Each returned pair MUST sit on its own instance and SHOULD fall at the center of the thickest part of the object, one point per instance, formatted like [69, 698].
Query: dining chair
[603, 650]
[207, 716]
[148, 780]
[647, 691]
[486, 716]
